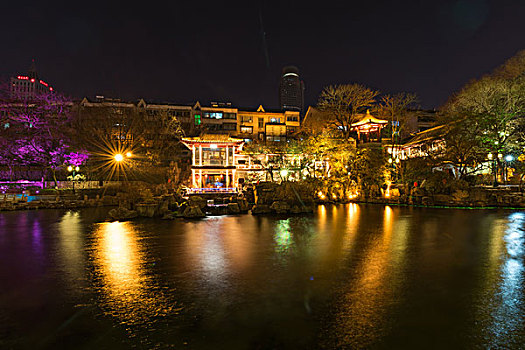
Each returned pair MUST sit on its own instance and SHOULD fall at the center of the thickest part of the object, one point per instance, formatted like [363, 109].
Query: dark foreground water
[349, 277]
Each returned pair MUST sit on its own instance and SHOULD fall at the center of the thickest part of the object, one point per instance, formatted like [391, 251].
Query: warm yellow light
[77, 168]
[129, 154]
[70, 168]
[118, 157]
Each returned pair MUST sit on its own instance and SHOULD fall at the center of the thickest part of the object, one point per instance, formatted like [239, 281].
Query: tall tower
[291, 90]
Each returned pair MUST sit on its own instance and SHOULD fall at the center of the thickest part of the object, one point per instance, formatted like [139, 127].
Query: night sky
[234, 51]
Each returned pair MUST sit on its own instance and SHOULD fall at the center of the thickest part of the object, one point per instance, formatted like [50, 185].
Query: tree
[152, 137]
[490, 111]
[395, 108]
[36, 130]
[342, 105]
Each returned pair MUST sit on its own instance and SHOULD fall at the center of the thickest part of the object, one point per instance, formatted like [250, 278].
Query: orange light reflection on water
[128, 291]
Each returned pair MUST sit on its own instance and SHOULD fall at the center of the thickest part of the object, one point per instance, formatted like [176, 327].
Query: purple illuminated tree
[36, 131]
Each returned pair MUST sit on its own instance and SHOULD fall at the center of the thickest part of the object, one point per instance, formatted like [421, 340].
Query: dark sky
[216, 51]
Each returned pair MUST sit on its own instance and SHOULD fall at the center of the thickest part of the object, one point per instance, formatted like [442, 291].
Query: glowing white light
[213, 146]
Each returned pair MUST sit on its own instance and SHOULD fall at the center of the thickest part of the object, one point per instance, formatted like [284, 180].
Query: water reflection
[283, 236]
[71, 246]
[374, 289]
[507, 316]
[128, 289]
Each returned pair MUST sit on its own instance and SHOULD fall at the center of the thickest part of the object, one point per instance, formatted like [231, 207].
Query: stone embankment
[284, 198]
[64, 202]
[270, 198]
[476, 197]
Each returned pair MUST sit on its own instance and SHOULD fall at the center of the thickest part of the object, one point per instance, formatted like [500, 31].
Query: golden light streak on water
[128, 290]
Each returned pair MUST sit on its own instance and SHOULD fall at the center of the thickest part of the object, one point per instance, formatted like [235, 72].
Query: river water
[350, 276]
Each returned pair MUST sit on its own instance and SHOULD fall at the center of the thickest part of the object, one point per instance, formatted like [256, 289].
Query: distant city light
[509, 157]
[129, 154]
[119, 157]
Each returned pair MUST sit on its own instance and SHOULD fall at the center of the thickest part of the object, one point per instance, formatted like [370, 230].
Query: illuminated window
[197, 119]
[246, 129]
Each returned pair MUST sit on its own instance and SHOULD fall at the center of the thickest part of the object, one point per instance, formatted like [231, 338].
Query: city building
[29, 85]
[219, 118]
[291, 90]
[265, 125]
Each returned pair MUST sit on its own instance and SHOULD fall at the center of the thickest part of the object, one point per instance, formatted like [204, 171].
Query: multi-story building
[219, 118]
[291, 90]
[265, 125]
[29, 85]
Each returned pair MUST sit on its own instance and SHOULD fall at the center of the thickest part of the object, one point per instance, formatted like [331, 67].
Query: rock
[146, 209]
[197, 201]
[169, 216]
[233, 208]
[120, 214]
[460, 195]
[261, 209]
[244, 206]
[427, 201]
[280, 207]
[193, 212]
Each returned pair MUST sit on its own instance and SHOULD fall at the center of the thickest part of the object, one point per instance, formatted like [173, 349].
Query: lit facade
[29, 85]
[214, 160]
[291, 90]
[368, 128]
[267, 126]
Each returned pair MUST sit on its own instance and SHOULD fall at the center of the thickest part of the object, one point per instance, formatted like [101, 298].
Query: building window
[261, 122]
[275, 120]
[292, 118]
[213, 115]
[291, 129]
[246, 129]
[246, 118]
[230, 116]
[197, 119]
[229, 126]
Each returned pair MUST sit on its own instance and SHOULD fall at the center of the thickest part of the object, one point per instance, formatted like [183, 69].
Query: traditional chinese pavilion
[369, 128]
[213, 167]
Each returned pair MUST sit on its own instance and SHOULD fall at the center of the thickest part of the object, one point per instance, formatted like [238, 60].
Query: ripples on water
[352, 276]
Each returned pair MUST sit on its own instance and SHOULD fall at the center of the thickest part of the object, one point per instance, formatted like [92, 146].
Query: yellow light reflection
[71, 246]
[127, 289]
[363, 306]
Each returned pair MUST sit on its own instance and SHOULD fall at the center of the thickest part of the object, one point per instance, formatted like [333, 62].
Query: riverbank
[476, 197]
[266, 199]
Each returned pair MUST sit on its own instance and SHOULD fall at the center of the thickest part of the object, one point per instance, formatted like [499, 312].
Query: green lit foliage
[368, 170]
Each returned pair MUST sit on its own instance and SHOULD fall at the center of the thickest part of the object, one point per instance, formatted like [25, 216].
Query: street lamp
[73, 170]
[118, 157]
[508, 158]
